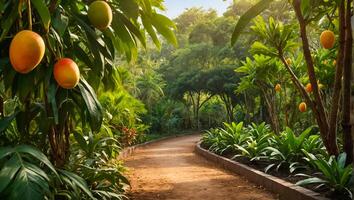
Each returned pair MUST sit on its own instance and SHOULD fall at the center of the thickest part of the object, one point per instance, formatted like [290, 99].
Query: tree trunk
[228, 107]
[329, 138]
[59, 143]
[286, 110]
[347, 137]
[333, 120]
[271, 111]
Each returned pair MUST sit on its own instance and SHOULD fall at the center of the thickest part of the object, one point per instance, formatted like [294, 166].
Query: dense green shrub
[335, 174]
[257, 142]
[287, 151]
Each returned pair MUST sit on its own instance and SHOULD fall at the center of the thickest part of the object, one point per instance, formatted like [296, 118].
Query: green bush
[95, 162]
[286, 151]
[335, 174]
[255, 148]
[27, 173]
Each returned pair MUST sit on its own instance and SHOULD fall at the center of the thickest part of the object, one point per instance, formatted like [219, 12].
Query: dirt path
[171, 170]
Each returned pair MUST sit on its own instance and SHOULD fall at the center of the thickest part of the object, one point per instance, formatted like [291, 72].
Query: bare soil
[170, 170]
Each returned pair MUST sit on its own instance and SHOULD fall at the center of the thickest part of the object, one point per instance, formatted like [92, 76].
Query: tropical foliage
[285, 152]
[72, 136]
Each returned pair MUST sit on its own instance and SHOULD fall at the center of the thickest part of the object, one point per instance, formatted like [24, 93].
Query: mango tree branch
[29, 9]
[339, 74]
[298, 84]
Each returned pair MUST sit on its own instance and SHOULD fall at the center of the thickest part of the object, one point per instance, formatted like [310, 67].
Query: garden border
[128, 151]
[286, 190]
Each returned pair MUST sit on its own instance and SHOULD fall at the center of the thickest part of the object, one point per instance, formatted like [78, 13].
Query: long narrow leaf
[247, 17]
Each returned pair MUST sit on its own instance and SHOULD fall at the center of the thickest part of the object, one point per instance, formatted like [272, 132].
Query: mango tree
[306, 13]
[55, 54]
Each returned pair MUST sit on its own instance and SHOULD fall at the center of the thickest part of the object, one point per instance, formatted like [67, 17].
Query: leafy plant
[255, 147]
[71, 186]
[335, 174]
[92, 146]
[232, 133]
[286, 150]
[26, 173]
[95, 162]
[23, 174]
[105, 182]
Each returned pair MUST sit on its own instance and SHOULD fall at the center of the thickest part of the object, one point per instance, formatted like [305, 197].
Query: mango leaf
[93, 106]
[149, 28]
[133, 29]
[130, 8]
[82, 55]
[165, 20]
[8, 21]
[23, 85]
[60, 23]
[125, 39]
[247, 17]
[43, 12]
[164, 29]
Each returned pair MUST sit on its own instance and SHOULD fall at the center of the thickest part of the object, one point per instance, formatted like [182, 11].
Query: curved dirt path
[170, 170]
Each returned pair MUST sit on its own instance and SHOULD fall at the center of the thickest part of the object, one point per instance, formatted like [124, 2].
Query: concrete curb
[128, 151]
[286, 190]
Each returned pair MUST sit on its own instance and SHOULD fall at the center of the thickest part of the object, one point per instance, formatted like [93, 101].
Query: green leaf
[21, 179]
[6, 121]
[125, 41]
[43, 11]
[164, 29]
[149, 28]
[37, 155]
[308, 181]
[92, 104]
[342, 160]
[81, 141]
[5, 151]
[8, 172]
[60, 23]
[133, 29]
[10, 20]
[165, 20]
[130, 8]
[269, 167]
[78, 181]
[28, 185]
[305, 8]
[247, 17]
[347, 174]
